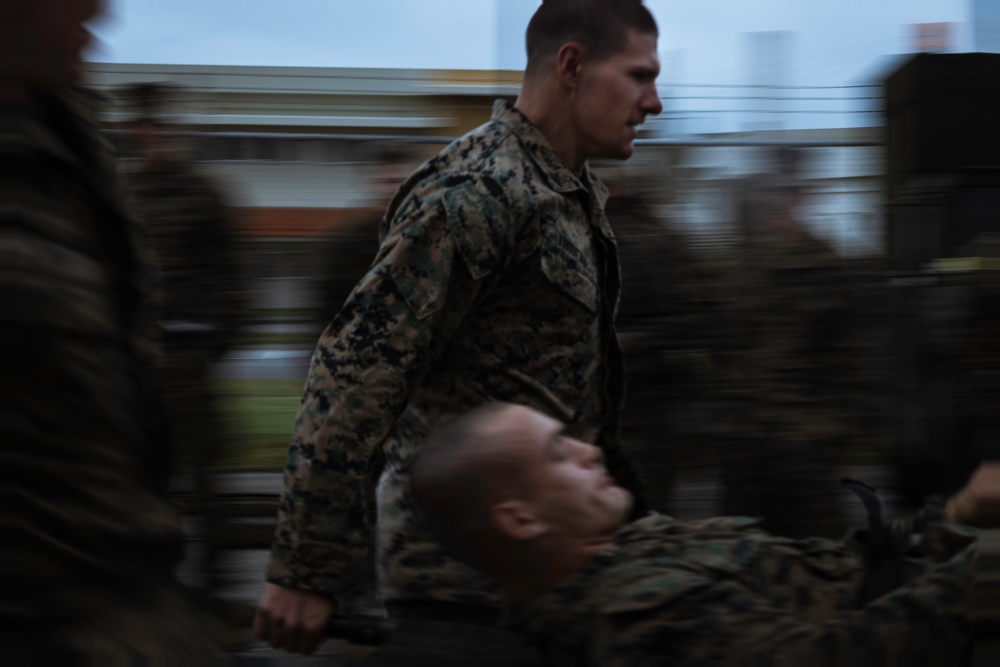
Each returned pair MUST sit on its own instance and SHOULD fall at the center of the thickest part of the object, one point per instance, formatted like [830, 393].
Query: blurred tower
[769, 73]
[512, 21]
[986, 26]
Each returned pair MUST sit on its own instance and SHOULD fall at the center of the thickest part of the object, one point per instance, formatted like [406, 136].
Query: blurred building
[290, 145]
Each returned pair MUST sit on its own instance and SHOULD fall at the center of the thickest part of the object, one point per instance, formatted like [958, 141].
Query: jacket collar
[561, 178]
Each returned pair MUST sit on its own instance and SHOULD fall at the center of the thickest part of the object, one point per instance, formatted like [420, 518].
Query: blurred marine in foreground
[89, 545]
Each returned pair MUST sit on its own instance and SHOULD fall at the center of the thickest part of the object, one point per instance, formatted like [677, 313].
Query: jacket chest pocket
[572, 274]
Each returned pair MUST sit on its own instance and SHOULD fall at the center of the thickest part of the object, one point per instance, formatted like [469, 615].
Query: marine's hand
[978, 502]
[292, 619]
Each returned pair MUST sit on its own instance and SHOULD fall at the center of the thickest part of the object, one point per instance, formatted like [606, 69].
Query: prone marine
[508, 490]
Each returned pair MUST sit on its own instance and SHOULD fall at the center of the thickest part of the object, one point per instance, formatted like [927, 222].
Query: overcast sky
[835, 40]
[832, 42]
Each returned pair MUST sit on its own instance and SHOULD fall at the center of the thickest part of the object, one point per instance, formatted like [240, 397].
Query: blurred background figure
[788, 304]
[946, 358]
[351, 250]
[663, 328]
[90, 542]
[197, 294]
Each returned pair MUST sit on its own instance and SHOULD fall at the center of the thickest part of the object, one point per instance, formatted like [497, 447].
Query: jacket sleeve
[444, 242]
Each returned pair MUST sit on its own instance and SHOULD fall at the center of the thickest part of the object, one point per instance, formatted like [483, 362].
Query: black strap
[881, 553]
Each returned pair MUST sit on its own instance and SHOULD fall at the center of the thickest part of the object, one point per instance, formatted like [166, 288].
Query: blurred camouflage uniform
[661, 324]
[497, 279]
[347, 256]
[720, 592]
[349, 253]
[787, 381]
[196, 300]
[88, 566]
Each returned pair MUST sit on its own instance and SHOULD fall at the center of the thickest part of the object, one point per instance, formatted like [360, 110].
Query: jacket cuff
[320, 568]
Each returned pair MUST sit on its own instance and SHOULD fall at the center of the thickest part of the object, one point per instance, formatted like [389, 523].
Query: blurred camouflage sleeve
[697, 620]
[74, 388]
[443, 243]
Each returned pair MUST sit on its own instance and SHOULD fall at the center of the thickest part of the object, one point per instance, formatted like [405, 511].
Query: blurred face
[615, 95]
[61, 26]
[567, 487]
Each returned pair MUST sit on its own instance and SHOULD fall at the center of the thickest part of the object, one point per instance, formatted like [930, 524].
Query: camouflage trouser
[793, 486]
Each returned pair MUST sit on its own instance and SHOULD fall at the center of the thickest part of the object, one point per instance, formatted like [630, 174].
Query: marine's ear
[569, 63]
[517, 520]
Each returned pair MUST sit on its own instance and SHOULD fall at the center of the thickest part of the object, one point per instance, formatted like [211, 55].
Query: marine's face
[615, 95]
[567, 486]
[61, 25]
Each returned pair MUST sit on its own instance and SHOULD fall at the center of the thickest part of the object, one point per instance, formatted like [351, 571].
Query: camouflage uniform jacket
[189, 233]
[79, 425]
[721, 592]
[497, 279]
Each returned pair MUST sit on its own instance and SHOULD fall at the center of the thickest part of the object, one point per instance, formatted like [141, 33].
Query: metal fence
[693, 182]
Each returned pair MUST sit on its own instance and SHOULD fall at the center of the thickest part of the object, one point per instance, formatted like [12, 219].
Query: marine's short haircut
[599, 26]
[453, 477]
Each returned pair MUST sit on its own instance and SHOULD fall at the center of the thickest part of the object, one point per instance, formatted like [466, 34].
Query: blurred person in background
[351, 250]
[510, 491]
[90, 543]
[788, 324]
[663, 328]
[497, 278]
[197, 294]
[946, 354]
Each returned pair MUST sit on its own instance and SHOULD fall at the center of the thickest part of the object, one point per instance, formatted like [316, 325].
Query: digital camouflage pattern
[497, 279]
[721, 592]
[90, 544]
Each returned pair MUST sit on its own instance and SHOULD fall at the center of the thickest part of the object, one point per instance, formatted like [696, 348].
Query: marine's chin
[623, 502]
[621, 151]
[627, 148]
